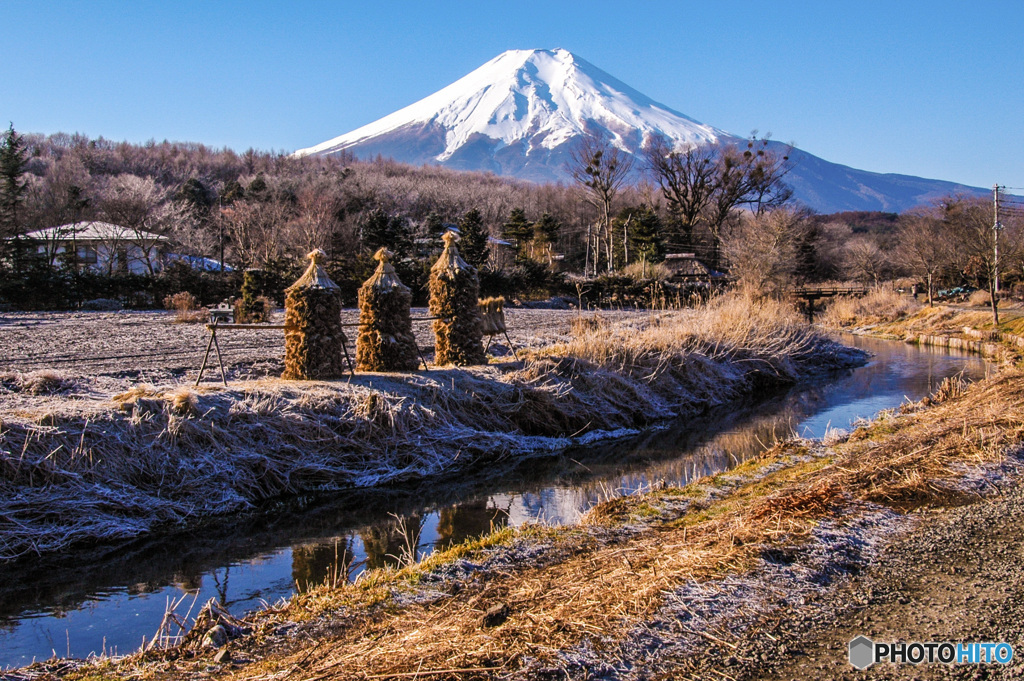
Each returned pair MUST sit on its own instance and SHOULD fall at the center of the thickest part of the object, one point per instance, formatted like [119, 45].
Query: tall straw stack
[385, 341]
[454, 288]
[313, 339]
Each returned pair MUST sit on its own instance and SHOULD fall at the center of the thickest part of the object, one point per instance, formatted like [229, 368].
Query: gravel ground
[957, 576]
[150, 346]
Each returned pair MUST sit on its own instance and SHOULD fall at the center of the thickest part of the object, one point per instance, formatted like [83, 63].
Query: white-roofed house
[101, 247]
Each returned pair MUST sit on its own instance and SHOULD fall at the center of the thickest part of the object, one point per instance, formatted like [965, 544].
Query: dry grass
[186, 308]
[980, 298]
[967, 329]
[167, 455]
[639, 271]
[42, 382]
[763, 337]
[570, 589]
[879, 306]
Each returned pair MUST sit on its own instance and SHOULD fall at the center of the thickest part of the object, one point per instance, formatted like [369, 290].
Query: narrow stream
[107, 599]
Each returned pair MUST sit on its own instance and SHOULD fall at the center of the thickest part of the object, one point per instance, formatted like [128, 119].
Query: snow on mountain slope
[518, 115]
[547, 97]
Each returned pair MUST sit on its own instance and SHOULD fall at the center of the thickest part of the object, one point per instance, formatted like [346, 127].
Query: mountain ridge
[518, 115]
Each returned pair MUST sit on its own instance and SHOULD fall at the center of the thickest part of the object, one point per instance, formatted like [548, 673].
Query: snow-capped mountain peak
[542, 98]
[519, 114]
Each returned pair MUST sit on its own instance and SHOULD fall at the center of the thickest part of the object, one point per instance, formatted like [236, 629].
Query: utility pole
[995, 259]
[996, 227]
[220, 223]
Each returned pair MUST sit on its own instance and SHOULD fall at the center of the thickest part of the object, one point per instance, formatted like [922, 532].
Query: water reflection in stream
[109, 597]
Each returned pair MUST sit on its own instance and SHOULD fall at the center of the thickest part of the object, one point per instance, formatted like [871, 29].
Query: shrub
[102, 305]
[980, 298]
[186, 308]
[252, 307]
[256, 312]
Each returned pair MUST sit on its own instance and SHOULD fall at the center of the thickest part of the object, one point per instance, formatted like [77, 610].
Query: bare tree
[317, 218]
[924, 247]
[704, 185]
[687, 177]
[601, 169]
[257, 230]
[970, 223]
[865, 260]
[762, 249]
[750, 177]
[141, 207]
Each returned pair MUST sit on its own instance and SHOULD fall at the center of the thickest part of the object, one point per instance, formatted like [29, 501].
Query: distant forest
[729, 206]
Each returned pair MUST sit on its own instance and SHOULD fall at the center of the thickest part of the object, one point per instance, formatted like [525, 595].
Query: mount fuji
[519, 114]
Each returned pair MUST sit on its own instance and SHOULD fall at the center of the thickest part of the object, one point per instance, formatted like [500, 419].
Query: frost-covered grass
[646, 582]
[677, 570]
[122, 465]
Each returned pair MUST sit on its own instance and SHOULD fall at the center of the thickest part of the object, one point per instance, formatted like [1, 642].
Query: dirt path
[958, 576]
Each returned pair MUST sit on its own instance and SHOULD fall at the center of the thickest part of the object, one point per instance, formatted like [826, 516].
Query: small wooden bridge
[810, 295]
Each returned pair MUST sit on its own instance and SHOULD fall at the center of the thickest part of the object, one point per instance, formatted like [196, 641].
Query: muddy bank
[81, 464]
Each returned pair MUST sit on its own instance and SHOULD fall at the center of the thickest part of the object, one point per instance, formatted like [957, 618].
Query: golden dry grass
[593, 583]
[881, 305]
[186, 308]
[163, 455]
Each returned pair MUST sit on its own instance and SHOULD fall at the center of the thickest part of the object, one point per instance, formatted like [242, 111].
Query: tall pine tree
[433, 228]
[519, 231]
[547, 230]
[12, 187]
[389, 231]
[645, 236]
[473, 246]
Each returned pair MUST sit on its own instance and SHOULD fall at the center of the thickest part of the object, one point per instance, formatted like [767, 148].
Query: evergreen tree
[12, 187]
[232, 191]
[546, 232]
[390, 231]
[473, 246]
[645, 235]
[196, 195]
[519, 231]
[433, 228]
[258, 188]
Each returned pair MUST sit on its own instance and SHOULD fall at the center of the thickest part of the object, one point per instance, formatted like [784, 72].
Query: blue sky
[923, 88]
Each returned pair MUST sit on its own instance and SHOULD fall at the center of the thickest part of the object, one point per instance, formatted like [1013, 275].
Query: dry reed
[880, 305]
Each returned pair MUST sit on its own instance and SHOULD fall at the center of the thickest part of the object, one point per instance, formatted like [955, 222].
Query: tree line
[728, 204]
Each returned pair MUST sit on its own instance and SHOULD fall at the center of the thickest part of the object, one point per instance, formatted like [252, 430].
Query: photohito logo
[864, 652]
